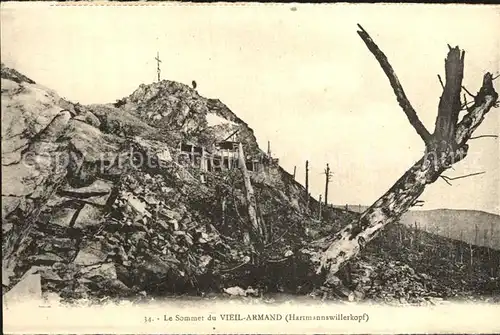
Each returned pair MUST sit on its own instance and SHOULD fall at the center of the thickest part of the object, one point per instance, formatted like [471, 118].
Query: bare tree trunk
[250, 197]
[444, 148]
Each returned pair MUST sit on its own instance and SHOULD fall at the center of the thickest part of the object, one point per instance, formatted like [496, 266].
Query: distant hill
[458, 224]
[476, 227]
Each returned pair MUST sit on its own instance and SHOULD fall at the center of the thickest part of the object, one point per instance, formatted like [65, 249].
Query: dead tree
[448, 145]
[328, 176]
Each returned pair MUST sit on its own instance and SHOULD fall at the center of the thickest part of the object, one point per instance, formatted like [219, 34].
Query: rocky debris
[28, 289]
[33, 158]
[387, 282]
[118, 122]
[169, 105]
[155, 148]
[89, 118]
[391, 281]
[238, 291]
[145, 240]
[392, 272]
[15, 76]
[182, 113]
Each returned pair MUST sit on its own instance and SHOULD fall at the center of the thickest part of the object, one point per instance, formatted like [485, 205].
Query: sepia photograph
[249, 168]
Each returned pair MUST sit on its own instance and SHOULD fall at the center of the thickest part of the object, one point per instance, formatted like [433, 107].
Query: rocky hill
[98, 203]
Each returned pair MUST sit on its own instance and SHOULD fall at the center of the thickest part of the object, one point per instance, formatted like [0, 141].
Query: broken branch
[446, 180]
[441, 81]
[464, 176]
[483, 136]
[469, 93]
[396, 86]
[418, 203]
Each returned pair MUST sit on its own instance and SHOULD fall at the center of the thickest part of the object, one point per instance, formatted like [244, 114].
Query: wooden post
[319, 208]
[461, 247]
[294, 171]
[476, 230]
[416, 233]
[451, 254]
[471, 255]
[223, 159]
[493, 266]
[223, 208]
[328, 175]
[485, 238]
[203, 165]
[251, 202]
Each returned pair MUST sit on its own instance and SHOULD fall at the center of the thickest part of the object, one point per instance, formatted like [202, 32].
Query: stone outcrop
[95, 203]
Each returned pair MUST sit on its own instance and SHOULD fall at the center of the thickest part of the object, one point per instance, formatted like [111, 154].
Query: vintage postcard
[250, 168]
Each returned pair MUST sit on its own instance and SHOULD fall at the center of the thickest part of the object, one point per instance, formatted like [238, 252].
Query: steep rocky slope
[95, 201]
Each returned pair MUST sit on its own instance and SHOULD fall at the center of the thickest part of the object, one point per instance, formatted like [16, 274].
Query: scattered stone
[106, 271]
[44, 259]
[90, 254]
[235, 290]
[90, 118]
[28, 289]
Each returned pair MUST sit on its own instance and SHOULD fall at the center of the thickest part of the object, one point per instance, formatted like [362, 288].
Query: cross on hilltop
[158, 61]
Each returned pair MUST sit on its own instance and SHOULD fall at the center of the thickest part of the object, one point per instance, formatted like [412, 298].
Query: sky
[298, 74]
